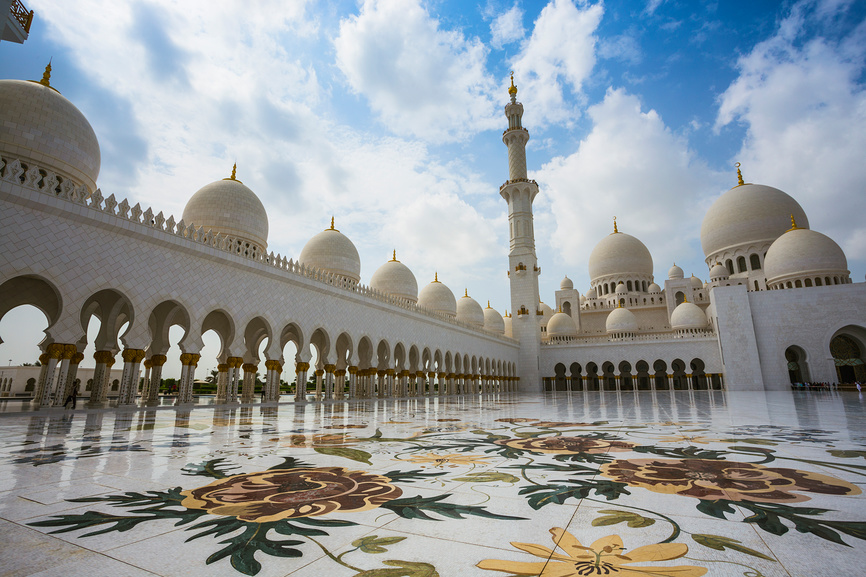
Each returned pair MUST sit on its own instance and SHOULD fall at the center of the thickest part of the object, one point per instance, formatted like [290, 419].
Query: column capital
[133, 355]
[302, 367]
[274, 365]
[195, 358]
[330, 368]
[185, 359]
[55, 350]
[421, 374]
[148, 364]
[223, 368]
[391, 372]
[235, 362]
[158, 360]
[43, 358]
[340, 372]
[250, 368]
[76, 358]
[353, 370]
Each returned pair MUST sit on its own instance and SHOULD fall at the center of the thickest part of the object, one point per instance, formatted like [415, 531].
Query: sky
[387, 114]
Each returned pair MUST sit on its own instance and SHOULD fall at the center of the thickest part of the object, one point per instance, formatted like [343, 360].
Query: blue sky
[388, 115]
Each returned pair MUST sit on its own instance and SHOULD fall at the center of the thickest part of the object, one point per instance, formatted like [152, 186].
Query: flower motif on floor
[284, 494]
[567, 445]
[515, 420]
[327, 440]
[709, 480]
[451, 460]
[558, 424]
[606, 556]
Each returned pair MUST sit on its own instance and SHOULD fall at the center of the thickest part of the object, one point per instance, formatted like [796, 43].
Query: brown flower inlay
[566, 445]
[705, 479]
[283, 494]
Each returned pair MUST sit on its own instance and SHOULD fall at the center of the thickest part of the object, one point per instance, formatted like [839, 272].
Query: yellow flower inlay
[451, 460]
[606, 556]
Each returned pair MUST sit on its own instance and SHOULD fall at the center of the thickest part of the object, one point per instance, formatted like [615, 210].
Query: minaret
[523, 270]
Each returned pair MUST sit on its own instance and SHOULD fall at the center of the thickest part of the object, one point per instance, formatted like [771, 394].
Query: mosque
[778, 307]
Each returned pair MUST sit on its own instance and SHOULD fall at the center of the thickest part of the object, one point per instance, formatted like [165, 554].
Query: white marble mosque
[778, 307]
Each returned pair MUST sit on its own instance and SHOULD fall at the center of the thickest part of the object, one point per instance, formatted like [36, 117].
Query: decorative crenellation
[32, 177]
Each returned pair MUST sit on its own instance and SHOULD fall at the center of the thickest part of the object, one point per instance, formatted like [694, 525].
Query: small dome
[675, 272]
[395, 278]
[653, 289]
[749, 214]
[438, 297]
[38, 125]
[621, 320]
[591, 293]
[619, 254]
[688, 316]
[620, 289]
[469, 311]
[582, 299]
[230, 208]
[332, 251]
[493, 321]
[696, 282]
[801, 252]
[506, 320]
[566, 284]
[718, 272]
[561, 325]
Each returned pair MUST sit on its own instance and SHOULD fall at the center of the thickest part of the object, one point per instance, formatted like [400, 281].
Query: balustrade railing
[21, 14]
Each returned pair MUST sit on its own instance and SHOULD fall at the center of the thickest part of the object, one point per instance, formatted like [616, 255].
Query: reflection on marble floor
[685, 484]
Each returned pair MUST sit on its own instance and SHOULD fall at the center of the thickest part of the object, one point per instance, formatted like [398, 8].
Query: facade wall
[14, 381]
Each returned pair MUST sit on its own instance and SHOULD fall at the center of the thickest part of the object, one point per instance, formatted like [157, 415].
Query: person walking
[73, 395]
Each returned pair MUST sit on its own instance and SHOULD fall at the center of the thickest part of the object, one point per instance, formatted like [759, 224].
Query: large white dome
[621, 320]
[619, 254]
[227, 206]
[469, 311]
[438, 297]
[38, 125]
[561, 326]
[332, 251]
[688, 316]
[395, 278]
[749, 214]
[801, 253]
[493, 321]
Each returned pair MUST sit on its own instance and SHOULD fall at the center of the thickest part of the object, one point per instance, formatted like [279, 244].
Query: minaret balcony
[507, 182]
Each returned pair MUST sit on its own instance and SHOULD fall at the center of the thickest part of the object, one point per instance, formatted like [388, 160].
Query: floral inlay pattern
[705, 479]
[567, 445]
[606, 556]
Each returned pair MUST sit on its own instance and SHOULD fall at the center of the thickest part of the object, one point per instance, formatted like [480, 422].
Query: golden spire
[234, 175]
[46, 76]
[488, 303]
[435, 277]
[793, 224]
[332, 226]
[512, 90]
[685, 299]
[466, 293]
[559, 309]
[394, 257]
[739, 176]
[614, 225]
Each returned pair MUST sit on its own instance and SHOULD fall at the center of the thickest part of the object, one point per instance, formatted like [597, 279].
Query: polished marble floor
[651, 483]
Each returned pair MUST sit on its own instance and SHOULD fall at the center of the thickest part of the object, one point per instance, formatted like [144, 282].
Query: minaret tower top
[515, 136]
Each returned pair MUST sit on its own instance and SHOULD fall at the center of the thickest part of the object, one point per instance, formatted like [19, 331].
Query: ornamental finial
[435, 277]
[488, 303]
[739, 176]
[512, 90]
[466, 293]
[46, 76]
[793, 224]
[615, 229]
[332, 223]
[234, 175]
[394, 256]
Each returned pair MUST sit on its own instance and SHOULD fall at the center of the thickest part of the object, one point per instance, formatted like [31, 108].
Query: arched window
[730, 266]
[827, 281]
[789, 285]
[643, 285]
[757, 288]
[741, 264]
[628, 286]
[755, 261]
[817, 281]
[808, 282]
[798, 284]
[31, 384]
[680, 298]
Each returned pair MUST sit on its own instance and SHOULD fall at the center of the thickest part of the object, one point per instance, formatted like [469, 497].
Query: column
[54, 352]
[381, 384]
[60, 383]
[43, 372]
[156, 363]
[301, 381]
[353, 382]
[187, 379]
[145, 386]
[320, 373]
[71, 375]
[329, 381]
[272, 380]
[101, 358]
[340, 383]
[222, 383]
[442, 384]
[129, 381]
[106, 383]
[235, 364]
[248, 391]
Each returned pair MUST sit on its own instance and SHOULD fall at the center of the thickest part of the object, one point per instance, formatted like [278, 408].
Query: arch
[344, 349]
[321, 340]
[292, 333]
[608, 376]
[576, 377]
[729, 264]
[818, 281]
[741, 264]
[220, 322]
[679, 298]
[414, 359]
[258, 329]
[678, 374]
[798, 283]
[383, 355]
[365, 352]
[628, 286]
[699, 377]
[566, 308]
[755, 261]
[426, 360]
[808, 282]
[559, 377]
[448, 362]
[30, 386]
[399, 358]
[34, 291]
[798, 368]
[625, 378]
[846, 347]
[114, 310]
[165, 315]
[660, 373]
[592, 381]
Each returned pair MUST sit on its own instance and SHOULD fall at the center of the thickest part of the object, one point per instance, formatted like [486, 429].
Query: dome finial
[739, 176]
[46, 76]
[685, 299]
[488, 303]
[466, 293]
[394, 256]
[793, 224]
[435, 277]
[512, 90]
[332, 224]
[234, 175]
[615, 229]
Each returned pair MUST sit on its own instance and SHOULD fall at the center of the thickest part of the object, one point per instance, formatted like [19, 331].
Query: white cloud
[507, 27]
[803, 103]
[633, 167]
[559, 55]
[624, 47]
[422, 80]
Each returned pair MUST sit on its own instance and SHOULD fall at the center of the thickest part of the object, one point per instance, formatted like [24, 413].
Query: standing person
[73, 395]
[858, 386]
